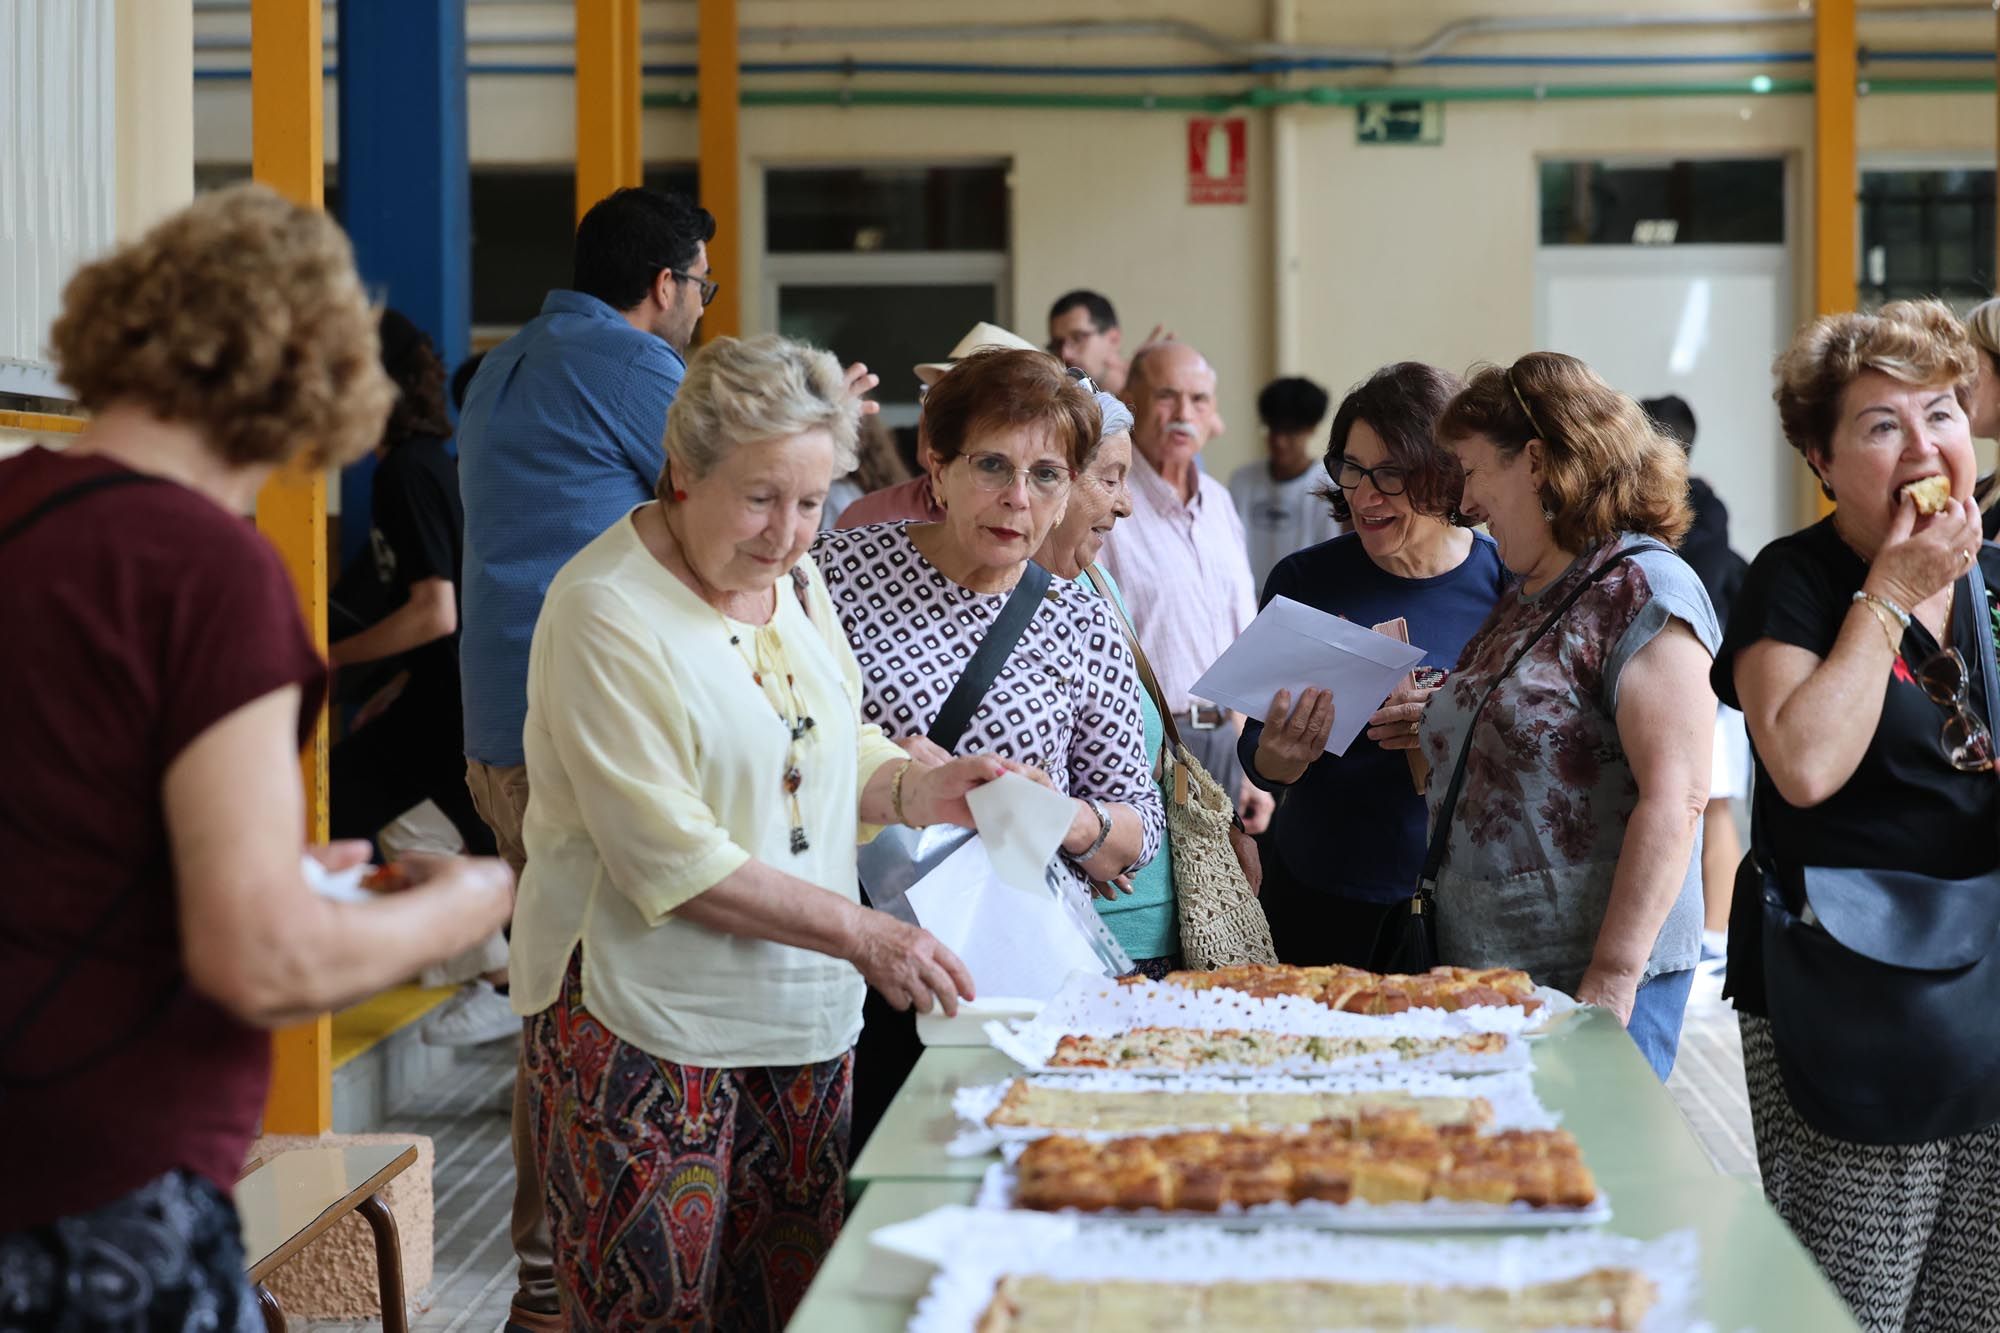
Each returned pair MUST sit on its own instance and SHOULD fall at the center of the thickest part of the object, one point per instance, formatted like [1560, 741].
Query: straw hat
[983, 335]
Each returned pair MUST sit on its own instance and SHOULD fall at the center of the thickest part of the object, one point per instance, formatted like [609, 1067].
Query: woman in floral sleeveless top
[1574, 849]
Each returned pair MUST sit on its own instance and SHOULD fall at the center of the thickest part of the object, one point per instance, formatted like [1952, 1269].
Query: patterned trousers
[166, 1258]
[1908, 1233]
[681, 1197]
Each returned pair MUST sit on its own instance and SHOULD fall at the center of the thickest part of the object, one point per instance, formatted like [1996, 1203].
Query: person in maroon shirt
[155, 914]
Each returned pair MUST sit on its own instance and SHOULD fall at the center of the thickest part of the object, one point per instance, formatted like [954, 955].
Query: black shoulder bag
[1883, 986]
[898, 857]
[1407, 940]
[10, 1035]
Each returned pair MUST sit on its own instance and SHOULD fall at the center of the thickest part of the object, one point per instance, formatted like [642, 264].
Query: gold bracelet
[896, 794]
[1892, 629]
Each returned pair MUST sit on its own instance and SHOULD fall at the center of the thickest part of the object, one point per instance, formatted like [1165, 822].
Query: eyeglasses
[708, 289]
[1388, 480]
[1967, 742]
[996, 472]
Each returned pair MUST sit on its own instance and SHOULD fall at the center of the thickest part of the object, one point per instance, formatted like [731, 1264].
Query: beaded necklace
[767, 655]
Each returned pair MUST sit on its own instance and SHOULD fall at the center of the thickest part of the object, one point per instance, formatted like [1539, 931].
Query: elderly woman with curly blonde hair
[1860, 651]
[690, 949]
[156, 913]
[1581, 708]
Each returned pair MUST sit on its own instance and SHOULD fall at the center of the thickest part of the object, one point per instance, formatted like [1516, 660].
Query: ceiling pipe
[1436, 44]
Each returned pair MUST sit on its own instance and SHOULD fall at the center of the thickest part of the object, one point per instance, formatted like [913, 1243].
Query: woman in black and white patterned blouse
[1008, 431]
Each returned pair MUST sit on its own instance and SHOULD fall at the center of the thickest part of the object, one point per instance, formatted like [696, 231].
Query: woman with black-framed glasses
[1347, 840]
[1859, 650]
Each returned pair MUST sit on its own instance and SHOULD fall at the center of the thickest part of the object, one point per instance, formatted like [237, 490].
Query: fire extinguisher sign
[1217, 160]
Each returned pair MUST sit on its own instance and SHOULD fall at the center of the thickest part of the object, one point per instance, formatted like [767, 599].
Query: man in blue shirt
[560, 437]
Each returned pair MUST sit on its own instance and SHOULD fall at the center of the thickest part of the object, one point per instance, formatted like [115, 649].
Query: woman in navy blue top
[1348, 838]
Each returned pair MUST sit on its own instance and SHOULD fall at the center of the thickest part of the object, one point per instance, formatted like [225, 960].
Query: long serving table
[1659, 1179]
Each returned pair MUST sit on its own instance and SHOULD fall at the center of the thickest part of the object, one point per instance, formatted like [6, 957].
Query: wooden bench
[292, 1199]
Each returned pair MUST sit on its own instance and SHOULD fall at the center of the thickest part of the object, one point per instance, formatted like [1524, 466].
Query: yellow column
[721, 163]
[288, 153]
[608, 155]
[1836, 171]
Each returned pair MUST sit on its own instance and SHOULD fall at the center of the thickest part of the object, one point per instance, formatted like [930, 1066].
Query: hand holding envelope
[1291, 646]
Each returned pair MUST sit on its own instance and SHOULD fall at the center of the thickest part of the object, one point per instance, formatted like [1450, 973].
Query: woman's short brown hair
[241, 316]
[1606, 468]
[1916, 342]
[1004, 388]
[1402, 404]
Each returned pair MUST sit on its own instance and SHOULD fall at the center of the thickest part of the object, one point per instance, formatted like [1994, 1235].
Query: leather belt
[1203, 717]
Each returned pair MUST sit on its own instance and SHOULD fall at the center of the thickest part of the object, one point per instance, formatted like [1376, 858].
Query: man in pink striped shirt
[1181, 558]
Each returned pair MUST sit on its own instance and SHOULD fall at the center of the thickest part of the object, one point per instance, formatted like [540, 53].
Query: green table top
[1645, 1157]
[1753, 1274]
[1587, 1071]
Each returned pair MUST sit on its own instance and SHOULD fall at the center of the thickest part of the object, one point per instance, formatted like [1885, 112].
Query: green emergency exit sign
[1399, 122]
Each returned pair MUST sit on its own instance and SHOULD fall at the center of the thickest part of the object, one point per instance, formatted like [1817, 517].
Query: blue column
[405, 185]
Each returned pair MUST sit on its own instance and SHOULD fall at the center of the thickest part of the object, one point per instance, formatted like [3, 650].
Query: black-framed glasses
[1386, 479]
[1967, 742]
[996, 472]
[708, 289]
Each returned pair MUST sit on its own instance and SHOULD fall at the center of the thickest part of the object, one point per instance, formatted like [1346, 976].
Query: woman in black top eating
[1875, 1133]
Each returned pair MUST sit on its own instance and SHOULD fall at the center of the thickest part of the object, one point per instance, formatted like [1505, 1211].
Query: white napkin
[343, 886]
[1022, 824]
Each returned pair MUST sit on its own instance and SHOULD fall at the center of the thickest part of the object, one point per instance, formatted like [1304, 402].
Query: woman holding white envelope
[688, 947]
[1348, 836]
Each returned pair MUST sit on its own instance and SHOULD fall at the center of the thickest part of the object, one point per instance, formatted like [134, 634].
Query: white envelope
[1290, 646]
[1014, 943]
[1022, 824]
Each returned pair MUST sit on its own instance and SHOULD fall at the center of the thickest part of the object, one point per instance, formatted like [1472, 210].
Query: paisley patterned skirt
[681, 1197]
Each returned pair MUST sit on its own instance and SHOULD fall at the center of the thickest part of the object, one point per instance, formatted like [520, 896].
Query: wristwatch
[1103, 830]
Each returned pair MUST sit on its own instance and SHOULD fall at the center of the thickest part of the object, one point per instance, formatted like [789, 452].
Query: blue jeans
[1657, 1010]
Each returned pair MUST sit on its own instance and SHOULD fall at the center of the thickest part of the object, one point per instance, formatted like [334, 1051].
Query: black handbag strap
[1441, 834]
[1982, 633]
[94, 935]
[956, 714]
[70, 494]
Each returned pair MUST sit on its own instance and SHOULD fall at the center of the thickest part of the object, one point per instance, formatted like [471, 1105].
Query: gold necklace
[768, 653]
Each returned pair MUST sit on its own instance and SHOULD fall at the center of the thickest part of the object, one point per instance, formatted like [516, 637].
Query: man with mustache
[1181, 558]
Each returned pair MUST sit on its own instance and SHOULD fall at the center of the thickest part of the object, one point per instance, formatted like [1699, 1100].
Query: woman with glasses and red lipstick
[1859, 651]
[1009, 431]
[1348, 839]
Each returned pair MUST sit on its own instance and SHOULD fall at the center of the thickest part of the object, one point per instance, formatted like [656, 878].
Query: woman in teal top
[1137, 907]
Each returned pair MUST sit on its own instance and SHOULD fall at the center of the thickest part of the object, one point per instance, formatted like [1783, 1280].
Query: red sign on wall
[1217, 160]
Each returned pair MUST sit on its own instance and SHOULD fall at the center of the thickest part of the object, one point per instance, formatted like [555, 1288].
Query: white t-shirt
[657, 766]
[1279, 517]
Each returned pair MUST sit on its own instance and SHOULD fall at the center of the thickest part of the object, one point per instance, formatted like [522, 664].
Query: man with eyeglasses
[1181, 558]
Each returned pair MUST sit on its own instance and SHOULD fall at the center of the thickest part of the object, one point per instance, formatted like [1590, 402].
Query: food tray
[973, 1249]
[997, 1193]
[1093, 1007]
[1512, 1095]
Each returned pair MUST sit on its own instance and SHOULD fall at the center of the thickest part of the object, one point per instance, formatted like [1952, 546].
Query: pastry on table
[1355, 990]
[1032, 1105]
[1606, 1298]
[1205, 1171]
[1196, 1048]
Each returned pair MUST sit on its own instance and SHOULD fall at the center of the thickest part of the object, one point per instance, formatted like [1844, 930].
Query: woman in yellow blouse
[688, 946]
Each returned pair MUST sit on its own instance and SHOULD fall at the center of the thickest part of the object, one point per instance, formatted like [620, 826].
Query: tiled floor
[466, 1116]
